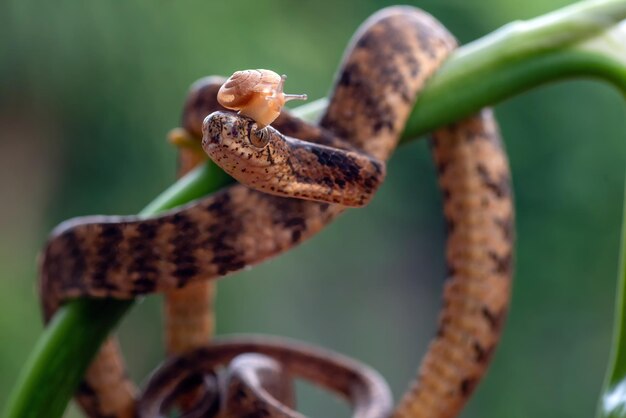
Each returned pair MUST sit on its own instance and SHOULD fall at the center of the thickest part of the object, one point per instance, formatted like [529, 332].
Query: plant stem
[511, 60]
[62, 354]
[613, 398]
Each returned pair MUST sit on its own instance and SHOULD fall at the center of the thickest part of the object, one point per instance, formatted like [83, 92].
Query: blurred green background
[89, 90]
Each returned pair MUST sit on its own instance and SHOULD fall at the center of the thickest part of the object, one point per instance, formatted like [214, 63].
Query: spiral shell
[238, 90]
[257, 94]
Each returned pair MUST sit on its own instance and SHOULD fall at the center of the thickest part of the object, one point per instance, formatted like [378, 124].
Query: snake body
[361, 385]
[389, 60]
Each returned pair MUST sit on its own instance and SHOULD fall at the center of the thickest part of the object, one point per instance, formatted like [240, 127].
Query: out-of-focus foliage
[89, 90]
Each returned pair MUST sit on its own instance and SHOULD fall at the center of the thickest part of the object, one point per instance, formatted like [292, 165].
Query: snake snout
[212, 129]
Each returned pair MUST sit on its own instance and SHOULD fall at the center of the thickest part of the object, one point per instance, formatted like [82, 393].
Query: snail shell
[257, 94]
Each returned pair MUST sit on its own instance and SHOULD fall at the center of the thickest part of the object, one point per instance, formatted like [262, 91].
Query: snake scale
[337, 163]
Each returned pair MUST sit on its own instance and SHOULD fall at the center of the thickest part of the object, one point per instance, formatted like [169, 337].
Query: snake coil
[323, 169]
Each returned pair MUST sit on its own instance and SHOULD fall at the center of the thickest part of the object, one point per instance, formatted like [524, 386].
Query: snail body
[257, 94]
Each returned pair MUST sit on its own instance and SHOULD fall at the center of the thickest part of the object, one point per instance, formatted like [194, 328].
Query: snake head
[241, 147]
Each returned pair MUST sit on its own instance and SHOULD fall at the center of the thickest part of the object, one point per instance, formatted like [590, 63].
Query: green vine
[582, 40]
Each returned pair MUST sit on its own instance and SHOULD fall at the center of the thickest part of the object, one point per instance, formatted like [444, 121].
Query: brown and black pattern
[290, 167]
[470, 161]
[390, 58]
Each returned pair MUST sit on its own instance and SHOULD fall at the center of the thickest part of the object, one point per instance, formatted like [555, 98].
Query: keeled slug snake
[387, 63]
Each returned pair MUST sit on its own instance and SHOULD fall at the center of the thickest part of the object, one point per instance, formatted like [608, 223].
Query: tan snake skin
[389, 60]
[189, 311]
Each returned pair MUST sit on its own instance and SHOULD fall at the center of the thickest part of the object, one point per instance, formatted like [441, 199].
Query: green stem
[62, 355]
[613, 398]
[507, 62]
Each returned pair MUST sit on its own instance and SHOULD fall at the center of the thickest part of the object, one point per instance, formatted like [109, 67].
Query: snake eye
[259, 137]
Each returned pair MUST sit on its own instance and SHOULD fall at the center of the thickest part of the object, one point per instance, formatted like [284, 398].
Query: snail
[257, 94]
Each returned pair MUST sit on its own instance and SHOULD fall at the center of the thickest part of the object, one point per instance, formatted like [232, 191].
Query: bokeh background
[88, 91]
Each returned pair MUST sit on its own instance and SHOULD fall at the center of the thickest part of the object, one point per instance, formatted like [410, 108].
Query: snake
[303, 177]
[253, 374]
